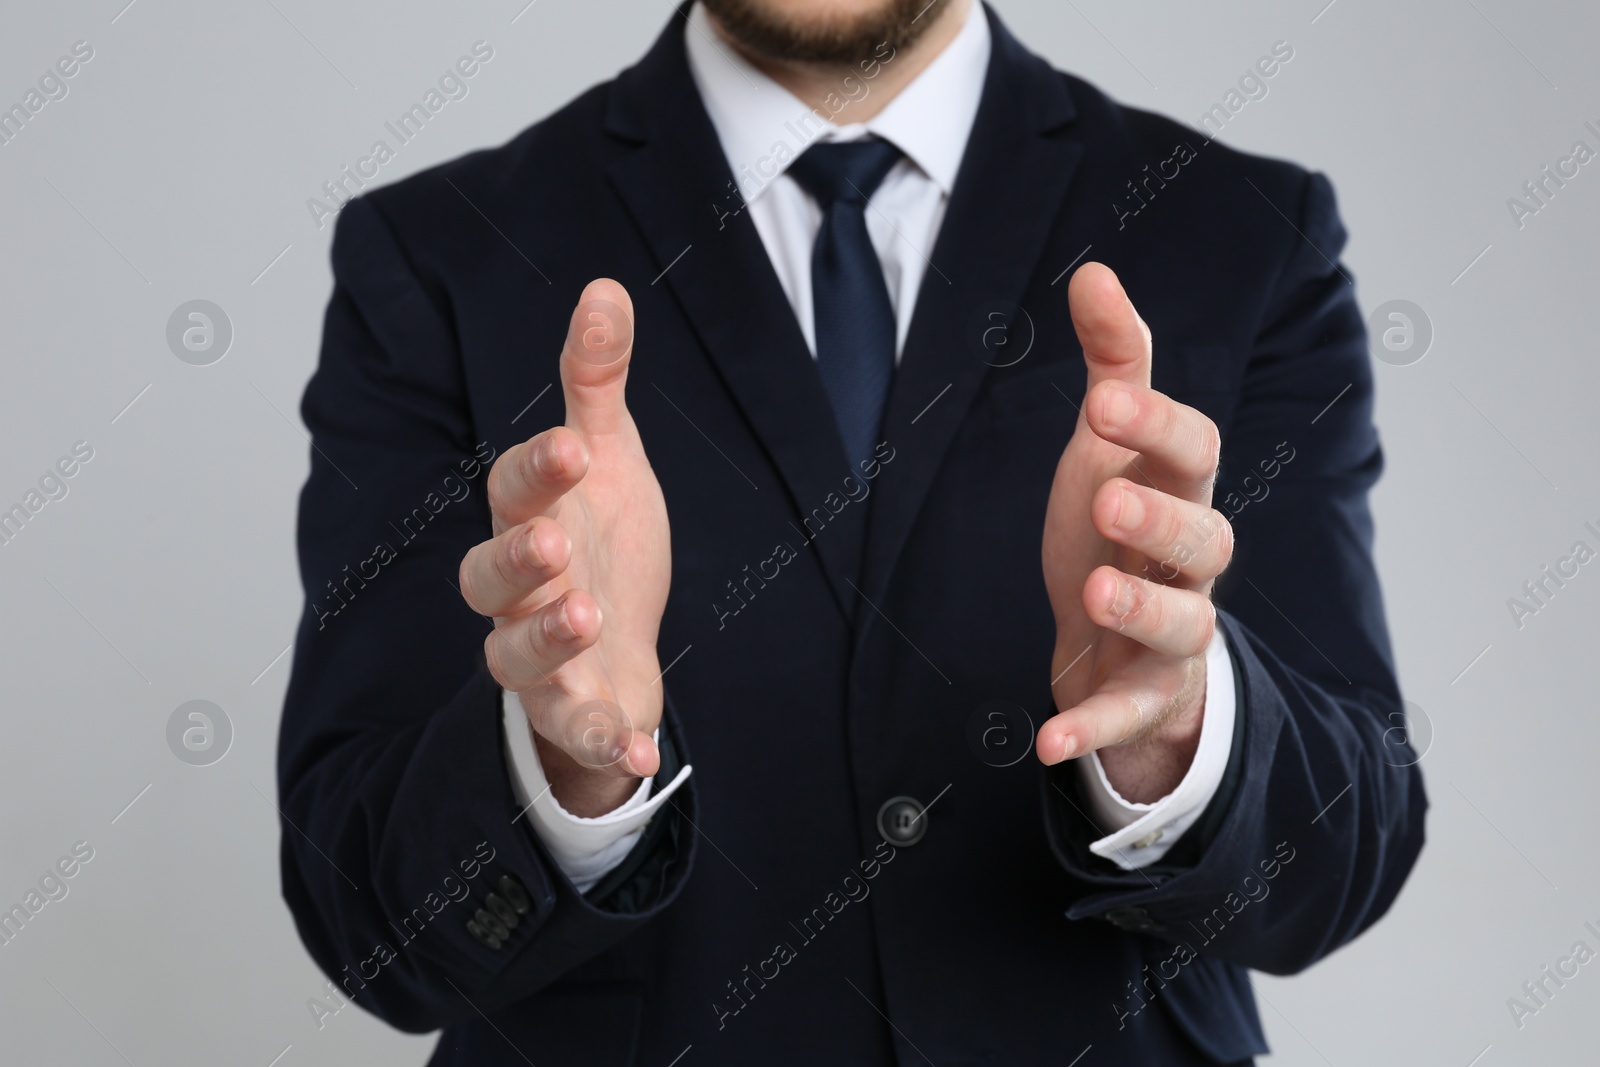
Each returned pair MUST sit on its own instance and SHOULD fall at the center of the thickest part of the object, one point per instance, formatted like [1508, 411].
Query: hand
[577, 572]
[1131, 548]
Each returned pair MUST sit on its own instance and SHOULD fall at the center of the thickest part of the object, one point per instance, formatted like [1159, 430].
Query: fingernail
[561, 627]
[1117, 408]
[529, 555]
[549, 459]
[1069, 747]
[1130, 510]
[627, 762]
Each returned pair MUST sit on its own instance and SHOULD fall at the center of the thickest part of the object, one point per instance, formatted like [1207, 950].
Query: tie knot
[847, 172]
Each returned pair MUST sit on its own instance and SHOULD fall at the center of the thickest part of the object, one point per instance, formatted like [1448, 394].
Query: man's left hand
[1131, 549]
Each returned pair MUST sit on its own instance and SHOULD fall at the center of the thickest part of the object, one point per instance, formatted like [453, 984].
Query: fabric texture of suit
[842, 649]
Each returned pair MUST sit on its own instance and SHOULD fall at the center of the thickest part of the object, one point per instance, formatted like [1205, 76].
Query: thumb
[597, 734]
[594, 361]
[1116, 342]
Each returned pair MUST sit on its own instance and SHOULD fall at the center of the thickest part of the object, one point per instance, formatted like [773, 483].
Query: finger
[1163, 618]
[1115, 340]
[498, 575]
[527, 651]
[594, 363]
[1178, 444]
[1109, 717]
[1180, 537]
[531, 478]
[596, 733]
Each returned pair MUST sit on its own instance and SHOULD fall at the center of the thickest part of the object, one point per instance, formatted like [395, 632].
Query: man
[939, 498]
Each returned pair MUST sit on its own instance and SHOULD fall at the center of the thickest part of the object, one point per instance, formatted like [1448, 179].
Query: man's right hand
[577, 572]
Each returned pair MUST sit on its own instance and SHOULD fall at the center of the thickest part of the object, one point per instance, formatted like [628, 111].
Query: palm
[617, 519]
[1131, 547]
[1073, 548]
[577, 572]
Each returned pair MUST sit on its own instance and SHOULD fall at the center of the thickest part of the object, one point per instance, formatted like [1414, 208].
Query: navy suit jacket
[848, 639]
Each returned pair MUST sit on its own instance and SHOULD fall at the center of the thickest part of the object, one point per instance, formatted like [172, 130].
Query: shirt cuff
[586, 850]
[1138, 835]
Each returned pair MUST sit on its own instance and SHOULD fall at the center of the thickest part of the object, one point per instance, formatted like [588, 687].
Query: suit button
[514, 894]
[495, 928]
[1134, 920]
[481, 934]
[900, 821]
[501, 910]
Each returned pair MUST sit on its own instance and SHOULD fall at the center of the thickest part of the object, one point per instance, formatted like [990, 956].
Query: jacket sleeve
[1323, 817]
[398, 813]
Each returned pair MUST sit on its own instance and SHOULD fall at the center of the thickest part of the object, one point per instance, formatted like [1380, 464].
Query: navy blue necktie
[851, 311]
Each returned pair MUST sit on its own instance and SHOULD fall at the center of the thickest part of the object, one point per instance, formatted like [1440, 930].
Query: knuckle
[1166, 524]
[528, 640]
[1224, 536]
[498, 491]
[1210, 451]
[513, 651]
[1144, 606]
[1206, 627]
[505, 568]
[495, 658]
[464, 576]
[1154, 609]
[1166, 416]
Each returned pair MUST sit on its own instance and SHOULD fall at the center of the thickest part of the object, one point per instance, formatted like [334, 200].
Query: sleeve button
[494, 926]
[1134, 920]
[501, 910]
[481, 934]
[514, 894]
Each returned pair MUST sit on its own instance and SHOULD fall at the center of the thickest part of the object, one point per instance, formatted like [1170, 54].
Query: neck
[814, 83]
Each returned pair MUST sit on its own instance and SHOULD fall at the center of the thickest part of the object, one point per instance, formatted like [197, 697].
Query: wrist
[583, 791]
[1146, 768]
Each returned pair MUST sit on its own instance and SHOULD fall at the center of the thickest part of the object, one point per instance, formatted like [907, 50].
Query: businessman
[841, 545]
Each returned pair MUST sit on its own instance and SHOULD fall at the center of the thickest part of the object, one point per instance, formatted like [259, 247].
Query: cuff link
[1150, 838]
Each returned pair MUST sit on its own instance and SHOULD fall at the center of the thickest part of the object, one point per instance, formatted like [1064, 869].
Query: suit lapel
[1013, 179]
[672, 182]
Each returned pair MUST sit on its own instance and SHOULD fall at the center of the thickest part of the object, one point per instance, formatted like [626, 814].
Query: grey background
[178, 167]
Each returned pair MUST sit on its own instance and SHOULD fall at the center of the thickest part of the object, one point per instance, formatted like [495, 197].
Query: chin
[823, 31]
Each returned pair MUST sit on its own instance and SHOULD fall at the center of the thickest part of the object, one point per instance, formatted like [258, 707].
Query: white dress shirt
[762, 128]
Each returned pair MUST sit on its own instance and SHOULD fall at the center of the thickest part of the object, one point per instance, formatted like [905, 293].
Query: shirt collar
[763, 127]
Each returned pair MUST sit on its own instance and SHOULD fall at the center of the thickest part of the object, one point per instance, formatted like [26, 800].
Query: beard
[829, 37]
